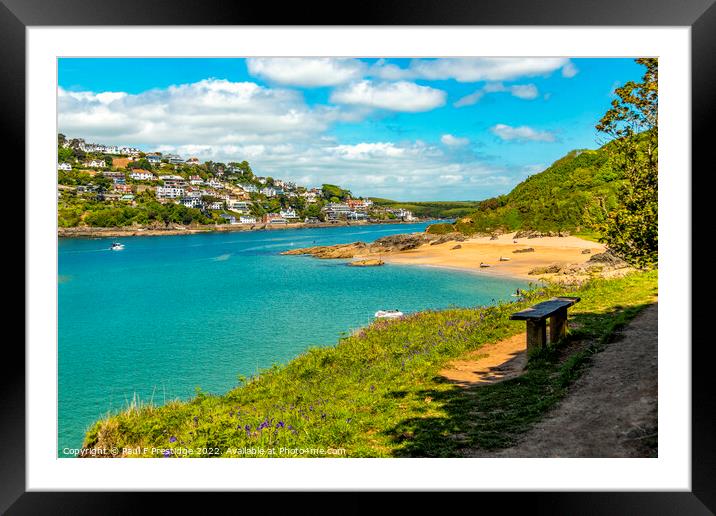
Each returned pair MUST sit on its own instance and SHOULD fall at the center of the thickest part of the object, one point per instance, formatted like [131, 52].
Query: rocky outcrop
[369, 262]
[550, 269]
[331, 251]
[607, 259]
[602, 263]
[531, 233]
[527, 250]
[458, 246]
[384, 245]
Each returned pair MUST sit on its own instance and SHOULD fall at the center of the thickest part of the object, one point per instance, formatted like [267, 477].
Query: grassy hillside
[432, 209]
[378, 392]
[566, 196]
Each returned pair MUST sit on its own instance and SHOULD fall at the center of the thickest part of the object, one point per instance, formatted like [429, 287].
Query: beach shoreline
[471, 253]
[527, 258]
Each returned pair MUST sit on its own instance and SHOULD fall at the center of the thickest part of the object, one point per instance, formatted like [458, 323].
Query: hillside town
[107, 185]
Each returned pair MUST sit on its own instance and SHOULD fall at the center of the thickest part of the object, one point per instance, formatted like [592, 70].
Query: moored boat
[388, 314]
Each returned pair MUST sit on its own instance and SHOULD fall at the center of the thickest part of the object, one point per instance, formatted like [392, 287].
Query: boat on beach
[388, 314]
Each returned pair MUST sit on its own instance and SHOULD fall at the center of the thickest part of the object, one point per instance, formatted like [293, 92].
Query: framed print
[428, 251]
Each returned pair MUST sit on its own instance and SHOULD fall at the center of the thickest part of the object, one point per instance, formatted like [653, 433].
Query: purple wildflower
[172, 439]
[279, 424]
[167, 453]
[372, 388]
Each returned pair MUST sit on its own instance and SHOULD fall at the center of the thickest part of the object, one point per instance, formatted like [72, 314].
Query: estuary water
[169, 314]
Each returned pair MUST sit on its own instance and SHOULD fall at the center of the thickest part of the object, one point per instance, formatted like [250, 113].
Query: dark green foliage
[431, 209]
[90, 212]
[631, 228]
[335, 193]
[440, 229]
[565, 197]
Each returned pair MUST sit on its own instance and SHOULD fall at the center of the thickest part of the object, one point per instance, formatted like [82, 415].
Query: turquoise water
[171, 313]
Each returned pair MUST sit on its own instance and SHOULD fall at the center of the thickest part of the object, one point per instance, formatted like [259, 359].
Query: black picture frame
[699, 15]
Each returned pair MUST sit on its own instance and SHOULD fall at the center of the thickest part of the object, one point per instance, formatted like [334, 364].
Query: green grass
[434, 209]
[377, 393]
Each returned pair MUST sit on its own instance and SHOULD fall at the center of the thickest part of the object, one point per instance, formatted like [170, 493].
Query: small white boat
[483, 265]
[504, 259]
[388, 314]
[116, 246]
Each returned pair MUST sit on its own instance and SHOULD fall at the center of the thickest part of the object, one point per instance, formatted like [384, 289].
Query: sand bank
[471, 253]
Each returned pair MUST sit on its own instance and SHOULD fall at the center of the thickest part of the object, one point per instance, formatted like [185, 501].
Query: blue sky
[408, 129]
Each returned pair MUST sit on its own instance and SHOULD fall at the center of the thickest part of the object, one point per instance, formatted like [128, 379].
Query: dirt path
[490, 364]
[611, 411]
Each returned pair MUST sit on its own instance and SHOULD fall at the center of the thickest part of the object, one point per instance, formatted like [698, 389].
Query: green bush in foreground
[377, 393]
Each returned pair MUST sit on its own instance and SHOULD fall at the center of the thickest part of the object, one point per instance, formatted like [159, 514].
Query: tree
[631, 230]
[64, 154]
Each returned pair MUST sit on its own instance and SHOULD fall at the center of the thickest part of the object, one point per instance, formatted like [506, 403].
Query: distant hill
[432, 209]
[567, 196]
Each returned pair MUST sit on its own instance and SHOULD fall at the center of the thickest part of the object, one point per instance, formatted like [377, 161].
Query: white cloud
[521, 134]
[393, 96]
[206, 112]
[484, 68]
[307, 71]
[454, 141]
[522, 91]
[469, 100]
[569, 70]
[282, 136]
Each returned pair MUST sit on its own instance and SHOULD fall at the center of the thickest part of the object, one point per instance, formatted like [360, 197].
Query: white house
[247, 219]
[406, 215]
[95, 163]
[64, 166]
[196, 180]
[216, 205]
[249, 188]
[215, 183]
[310, 196]
[192, 202]
[169, 192]
[174, 159]
[154, 159]
[240, 206]
[228, 218]
[289, 213]
[336, 210]
[142, 175]
[173, 181]
[268, 191]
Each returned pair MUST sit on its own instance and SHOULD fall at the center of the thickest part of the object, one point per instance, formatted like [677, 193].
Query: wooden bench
[536, 316]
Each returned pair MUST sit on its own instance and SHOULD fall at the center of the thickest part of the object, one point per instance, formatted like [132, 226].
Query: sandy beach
[547, 251]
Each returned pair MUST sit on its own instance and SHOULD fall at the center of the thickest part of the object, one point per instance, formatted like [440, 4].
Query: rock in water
[369, 262]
